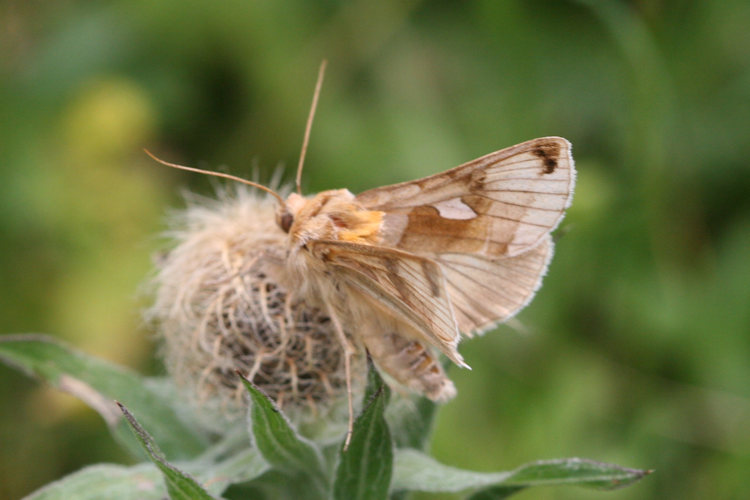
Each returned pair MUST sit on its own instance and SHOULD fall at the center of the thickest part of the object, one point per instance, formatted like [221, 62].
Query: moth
[405, 270]
[414, 265]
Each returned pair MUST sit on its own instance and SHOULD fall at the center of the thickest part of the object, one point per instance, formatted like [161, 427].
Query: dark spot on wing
[548, 153]
[476, 181]
[549, 165]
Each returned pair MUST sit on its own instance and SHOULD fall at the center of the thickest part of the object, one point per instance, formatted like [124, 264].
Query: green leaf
[180, 486]
[243, 466]
[282, 447]
[412, 422]
[496, 493]
[374, 384]
[365, 468]
[138, 482]
[98, 383]
[145, 481]
[416, 471]
[578, 471]
[275, 484]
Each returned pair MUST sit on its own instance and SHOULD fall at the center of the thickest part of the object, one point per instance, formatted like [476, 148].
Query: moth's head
[284, 219]
[287, 212]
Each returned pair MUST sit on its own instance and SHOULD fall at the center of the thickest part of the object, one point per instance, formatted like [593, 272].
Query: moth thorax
[220, 307]
[351, 221]
[358, 226]
[333, 215]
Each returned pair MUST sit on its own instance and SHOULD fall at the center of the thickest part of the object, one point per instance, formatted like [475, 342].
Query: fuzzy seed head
[219, 307]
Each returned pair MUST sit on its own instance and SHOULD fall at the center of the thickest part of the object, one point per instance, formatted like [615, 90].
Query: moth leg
[348, 353]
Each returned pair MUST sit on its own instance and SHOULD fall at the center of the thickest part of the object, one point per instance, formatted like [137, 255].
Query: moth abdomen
[411, 364]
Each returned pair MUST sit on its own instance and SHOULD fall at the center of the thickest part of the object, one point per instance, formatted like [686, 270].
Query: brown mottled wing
[485, 292]
[410, 286]
[486, 223]
[499, 205]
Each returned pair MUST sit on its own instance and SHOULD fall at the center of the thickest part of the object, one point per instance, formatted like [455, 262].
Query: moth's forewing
[486, 223]
[499, 205]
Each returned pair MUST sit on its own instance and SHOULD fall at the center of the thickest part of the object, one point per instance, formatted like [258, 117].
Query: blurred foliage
[638, 344]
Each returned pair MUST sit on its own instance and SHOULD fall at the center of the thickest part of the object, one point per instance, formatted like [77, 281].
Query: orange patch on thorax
[356, 225]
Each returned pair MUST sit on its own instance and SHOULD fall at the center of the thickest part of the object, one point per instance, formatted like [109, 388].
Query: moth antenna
[316, 94]
[220, 174]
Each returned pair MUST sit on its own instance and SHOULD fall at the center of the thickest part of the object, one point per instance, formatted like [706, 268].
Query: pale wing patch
[455, 209]
[486, 292]
[517, 195]
[413, 287]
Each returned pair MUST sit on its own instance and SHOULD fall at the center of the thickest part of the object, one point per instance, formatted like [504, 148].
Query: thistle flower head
[219, 307]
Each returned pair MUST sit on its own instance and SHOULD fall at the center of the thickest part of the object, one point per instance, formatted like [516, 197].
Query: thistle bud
[220, 307]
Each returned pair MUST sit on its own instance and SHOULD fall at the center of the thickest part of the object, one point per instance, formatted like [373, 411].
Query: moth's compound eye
[285, 221]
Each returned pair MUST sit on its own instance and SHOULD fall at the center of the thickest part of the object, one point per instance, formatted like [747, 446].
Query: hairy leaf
[240, 467]
[496, 493]
[366, 467]
[180, 486]
[417, 471]
[138, 482]
[412, 422]
[282, 447]
[98, 383]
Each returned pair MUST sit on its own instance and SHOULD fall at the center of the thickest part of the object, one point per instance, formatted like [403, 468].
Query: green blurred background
[637, 349]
